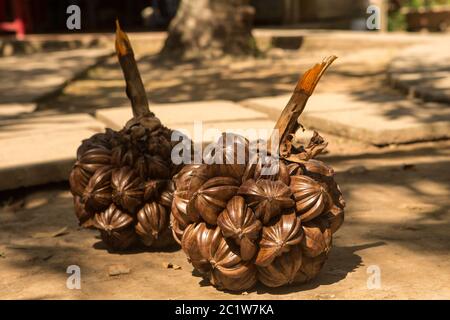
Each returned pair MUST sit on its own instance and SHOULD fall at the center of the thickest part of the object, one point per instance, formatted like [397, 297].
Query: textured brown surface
[243, 222]
[121, 179]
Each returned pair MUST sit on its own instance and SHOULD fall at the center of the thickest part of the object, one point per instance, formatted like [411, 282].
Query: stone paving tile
[10, 110]
[40, 147]
[388, 120]
[29, 78]
[183, 113]
[39, 158]
[423, 71]
[210, 117]
[51, 42]
[210, 132]
[42, 122]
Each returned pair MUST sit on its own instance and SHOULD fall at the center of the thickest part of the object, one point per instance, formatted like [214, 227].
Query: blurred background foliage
[399, 10]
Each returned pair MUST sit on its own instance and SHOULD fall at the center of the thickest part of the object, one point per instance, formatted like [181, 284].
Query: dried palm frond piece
[121, 180]
[269, 219]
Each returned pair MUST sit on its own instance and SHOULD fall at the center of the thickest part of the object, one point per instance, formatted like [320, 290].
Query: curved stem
[134, 87]
[287, 123]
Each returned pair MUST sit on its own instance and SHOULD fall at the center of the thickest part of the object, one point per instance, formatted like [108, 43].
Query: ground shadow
[138, 248]
[341, 261]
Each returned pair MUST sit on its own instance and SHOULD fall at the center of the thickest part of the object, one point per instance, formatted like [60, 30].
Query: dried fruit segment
[113, 219]
[317, 238]
[195, 243]
[166, 196]
[97, 194]
[310, 268]
[311, 168]
[78, 180]
[283, 270]
[311, 198]
[212, 197]
[127, 188]
[152, 222]
[95, 158]
[266, 167]
[278, 238]
[239, 222]
[116, 227]
[266, 197]
[228, 271]
[83, 216]
[232, 150]
[335, 217]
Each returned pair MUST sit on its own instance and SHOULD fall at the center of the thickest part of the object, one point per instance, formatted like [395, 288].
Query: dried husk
[232, 150]
[84, 217]
[283, 270]
[266, 197]
[154, 189]
[191, 244]
[212, 198]
[317, 239]
[98, 192]
[311, 198]
[266, 167]
[127, 188]
[310, 268]
[95, 158]
[152, 221]
[98, 140]
[239, 222]
[166, 196]
[228, 271]
[116, 227]
[335, 217]
[78, 180]
[278, 237]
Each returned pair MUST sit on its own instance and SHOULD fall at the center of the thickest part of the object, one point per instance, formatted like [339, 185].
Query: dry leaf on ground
[51, 234]
[118, 269]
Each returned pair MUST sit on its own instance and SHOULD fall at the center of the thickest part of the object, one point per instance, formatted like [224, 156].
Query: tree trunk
[211, 28]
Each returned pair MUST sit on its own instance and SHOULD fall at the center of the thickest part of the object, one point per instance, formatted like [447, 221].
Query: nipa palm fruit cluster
[121, 181]
[270, 219]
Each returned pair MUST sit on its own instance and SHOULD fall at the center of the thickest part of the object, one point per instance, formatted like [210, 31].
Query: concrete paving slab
[37, 43]
[40, 148]
[32, 77]
[388, 120]
[39, 158]
[210, 132]
[184, 113]
[42, 122]
[423, 71]
[15, 109]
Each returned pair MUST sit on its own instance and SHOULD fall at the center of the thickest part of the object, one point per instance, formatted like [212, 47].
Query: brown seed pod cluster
[268, 219]
[121, 181]
[238, 227]
[121, 185]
